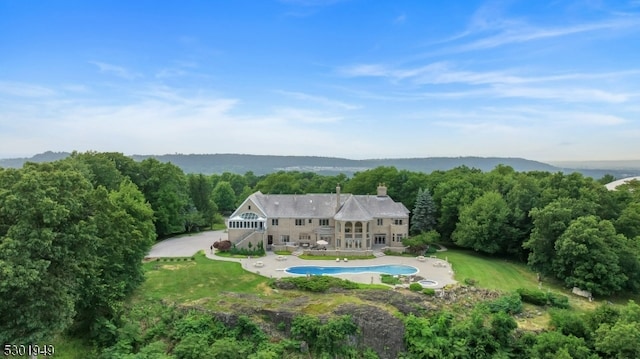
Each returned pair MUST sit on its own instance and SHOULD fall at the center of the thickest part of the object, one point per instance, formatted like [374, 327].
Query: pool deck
[273, 266]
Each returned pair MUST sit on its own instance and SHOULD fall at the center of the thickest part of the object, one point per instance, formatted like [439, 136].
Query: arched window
[249, 216]
[348, 227]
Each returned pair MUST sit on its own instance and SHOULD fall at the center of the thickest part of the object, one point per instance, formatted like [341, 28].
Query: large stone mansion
[338, 221]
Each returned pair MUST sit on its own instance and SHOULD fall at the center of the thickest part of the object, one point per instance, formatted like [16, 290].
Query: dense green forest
[73, 234]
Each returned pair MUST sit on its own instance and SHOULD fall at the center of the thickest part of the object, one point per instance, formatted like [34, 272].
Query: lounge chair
[337, 259]
[346, 259]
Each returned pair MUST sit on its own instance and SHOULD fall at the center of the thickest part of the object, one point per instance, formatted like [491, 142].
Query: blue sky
[544, 80]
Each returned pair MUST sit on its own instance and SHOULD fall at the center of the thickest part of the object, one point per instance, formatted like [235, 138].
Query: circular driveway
[187, 245]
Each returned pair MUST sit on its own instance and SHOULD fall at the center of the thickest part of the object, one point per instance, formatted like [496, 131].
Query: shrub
[222, 246]
[532, 296]
[315, 283]
[569, 323]
[256, 251]
[558, 300]
[429, 291]
[538, 297]
[510, 304]
[415, 287]
[470, 281]
[389, 279]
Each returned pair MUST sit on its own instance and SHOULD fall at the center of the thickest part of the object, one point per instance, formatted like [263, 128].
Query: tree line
[73, 232]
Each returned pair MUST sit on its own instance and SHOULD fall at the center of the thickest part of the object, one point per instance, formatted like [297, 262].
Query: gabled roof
[352, 207]
[352, 210]
[297, 206]
[254, 199]
[382, 206]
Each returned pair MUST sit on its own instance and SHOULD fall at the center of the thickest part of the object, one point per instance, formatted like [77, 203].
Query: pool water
[428, 283]
[393, 269]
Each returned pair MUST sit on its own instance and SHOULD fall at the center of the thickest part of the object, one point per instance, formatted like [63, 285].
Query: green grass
[389, 279]
[396, 254]
[197, 279]
[219, 227]
[230, 255]
[282, 253]
[71, 348]
[173, 259]
[489, 272]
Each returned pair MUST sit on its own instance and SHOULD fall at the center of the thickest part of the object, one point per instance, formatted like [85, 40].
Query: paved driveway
[186, 246]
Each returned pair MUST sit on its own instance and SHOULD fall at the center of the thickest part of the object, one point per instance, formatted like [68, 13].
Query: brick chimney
[337, 197]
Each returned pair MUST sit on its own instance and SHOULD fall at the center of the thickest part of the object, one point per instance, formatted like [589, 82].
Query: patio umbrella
[322, 242]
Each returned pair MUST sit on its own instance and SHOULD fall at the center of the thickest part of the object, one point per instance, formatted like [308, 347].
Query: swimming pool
[393, 269]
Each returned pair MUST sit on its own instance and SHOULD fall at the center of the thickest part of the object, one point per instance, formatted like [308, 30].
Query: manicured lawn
[194, 280]
[230, 255]
[491, 273]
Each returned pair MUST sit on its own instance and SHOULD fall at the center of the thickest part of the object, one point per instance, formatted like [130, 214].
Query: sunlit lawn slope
[182, 281]
[491, 273]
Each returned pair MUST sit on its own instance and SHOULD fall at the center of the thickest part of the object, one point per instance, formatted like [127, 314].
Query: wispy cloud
[400, 19]
[523, 33]
[115, 70]
[318, 99]
[21, 89]
[163, 119]
[490, 27]
[297, 115]
[522, 119]
[564, 94]
[501, 84]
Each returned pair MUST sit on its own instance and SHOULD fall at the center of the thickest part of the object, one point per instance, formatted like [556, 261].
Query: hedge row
[538, 297]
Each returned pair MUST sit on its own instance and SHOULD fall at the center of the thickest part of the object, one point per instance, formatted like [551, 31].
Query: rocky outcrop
[379, 330]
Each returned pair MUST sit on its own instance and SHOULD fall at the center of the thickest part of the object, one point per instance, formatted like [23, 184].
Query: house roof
[352, 210]
[352, 207]
[613, 185]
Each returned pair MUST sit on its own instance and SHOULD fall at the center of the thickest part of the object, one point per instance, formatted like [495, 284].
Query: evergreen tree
[424, 212]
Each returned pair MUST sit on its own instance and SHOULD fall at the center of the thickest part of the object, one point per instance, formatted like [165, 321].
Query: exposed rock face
[379, 330]
[406, 302]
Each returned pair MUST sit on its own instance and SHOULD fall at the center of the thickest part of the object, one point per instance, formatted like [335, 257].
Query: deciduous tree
[585, 257]
[47, 247]
[165, 187]
[224, 197]
[549, 223]
[483, 224]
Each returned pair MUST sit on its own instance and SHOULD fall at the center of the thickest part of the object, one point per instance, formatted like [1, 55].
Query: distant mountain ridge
[264, 164]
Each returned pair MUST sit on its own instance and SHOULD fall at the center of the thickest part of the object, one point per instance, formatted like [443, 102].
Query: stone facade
[343, 221]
